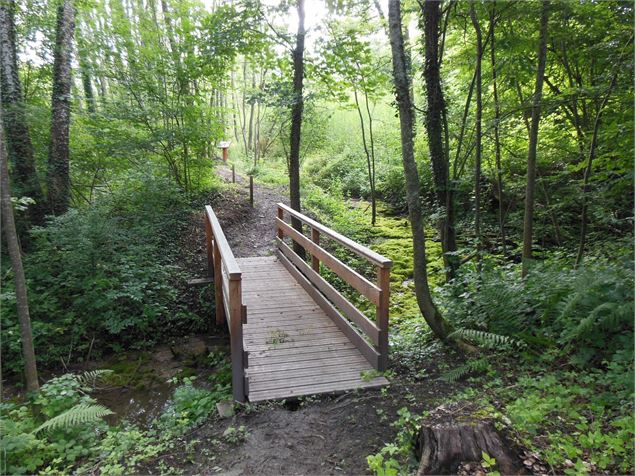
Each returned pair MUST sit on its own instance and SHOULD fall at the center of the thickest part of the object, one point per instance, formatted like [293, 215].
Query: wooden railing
[375, 349]
[224, 268]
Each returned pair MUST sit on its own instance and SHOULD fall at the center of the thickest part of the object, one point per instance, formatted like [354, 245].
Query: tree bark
[15, 254]
[497, 143]
[533, 139]
[296, 123]
[20, 148]
[431, 15]
[479, 136]
[59, 152]
[413, 188]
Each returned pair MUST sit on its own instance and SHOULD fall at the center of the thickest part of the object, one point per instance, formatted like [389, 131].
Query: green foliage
[471, 366]
[71, 420]
[583, 420]
[75, 416]
[397, 457]
[586, 313]
[105, 273]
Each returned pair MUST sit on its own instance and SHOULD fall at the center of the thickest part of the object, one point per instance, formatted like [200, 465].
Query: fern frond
[91, 377]
[486, 339]
[81, 413]
[471, 366]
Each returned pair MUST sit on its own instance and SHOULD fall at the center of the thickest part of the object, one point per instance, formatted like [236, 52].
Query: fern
[486, 339]
[79, 414]
[91, 377]
[471, 366]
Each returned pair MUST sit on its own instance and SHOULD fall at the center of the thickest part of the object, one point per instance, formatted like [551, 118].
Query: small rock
[225, 409]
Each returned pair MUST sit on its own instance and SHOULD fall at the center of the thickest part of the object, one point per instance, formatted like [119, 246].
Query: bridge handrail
[222, 265]
[377, 293]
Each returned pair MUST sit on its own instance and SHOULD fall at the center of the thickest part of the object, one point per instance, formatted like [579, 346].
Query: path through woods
[330, 434]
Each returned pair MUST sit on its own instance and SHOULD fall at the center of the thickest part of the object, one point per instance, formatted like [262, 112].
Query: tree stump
[454, 437]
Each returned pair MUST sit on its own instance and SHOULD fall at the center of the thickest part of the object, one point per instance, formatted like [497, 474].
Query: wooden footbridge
[291, 332]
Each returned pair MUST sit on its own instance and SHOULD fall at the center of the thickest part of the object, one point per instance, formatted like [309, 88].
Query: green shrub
[55, 431]
[585, 313]
[103, 275]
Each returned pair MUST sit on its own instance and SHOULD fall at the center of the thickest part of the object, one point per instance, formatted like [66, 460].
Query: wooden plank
[326, 361]
[323, 372]
[355, 247]
[369, 328]
[288, 327]
[352, 277]
[309, 305]
[325, 341]
[268, 358]
[200, 281]
[299, 381]
[256, 396]
[364, 347]
[281, 337]
[291, 331]
[297, 352]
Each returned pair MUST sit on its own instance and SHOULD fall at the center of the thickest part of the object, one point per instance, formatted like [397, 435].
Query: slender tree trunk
[533, 139]
[497, 143]
[479, 136]
[413, 188]
[59, 154]
[15, 254]
[431, 15]
[589, 167]
[19, 145]
[296, 122]
[367, 152]
[371, 137]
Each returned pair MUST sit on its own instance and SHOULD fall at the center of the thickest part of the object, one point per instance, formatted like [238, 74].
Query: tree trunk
[296, 123]
[15, 254]
[20, 149]
[533, 139]
[479, 136]
[402, 90]
[431, 14]
[58, 166]
[368, 156]
[589, 167]
[497, 143]
[86, 70]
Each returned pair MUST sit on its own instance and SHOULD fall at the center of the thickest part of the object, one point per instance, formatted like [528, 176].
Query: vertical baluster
[315, 262]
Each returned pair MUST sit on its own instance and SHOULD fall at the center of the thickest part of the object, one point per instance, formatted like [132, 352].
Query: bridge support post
[383, 283]
[218, 287]
[236, 336]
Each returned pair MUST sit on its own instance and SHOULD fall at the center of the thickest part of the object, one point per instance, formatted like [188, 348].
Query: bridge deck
[293, 348]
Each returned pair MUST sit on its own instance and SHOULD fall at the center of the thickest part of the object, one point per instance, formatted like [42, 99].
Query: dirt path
[250, 231]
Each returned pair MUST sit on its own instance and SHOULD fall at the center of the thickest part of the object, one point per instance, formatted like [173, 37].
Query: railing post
[209, 245]
[383, 283]
[315, 262]
[218, 287]
[236, 336]
[281, 216]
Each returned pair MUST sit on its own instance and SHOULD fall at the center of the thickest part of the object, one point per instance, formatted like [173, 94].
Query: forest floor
[328, 434]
